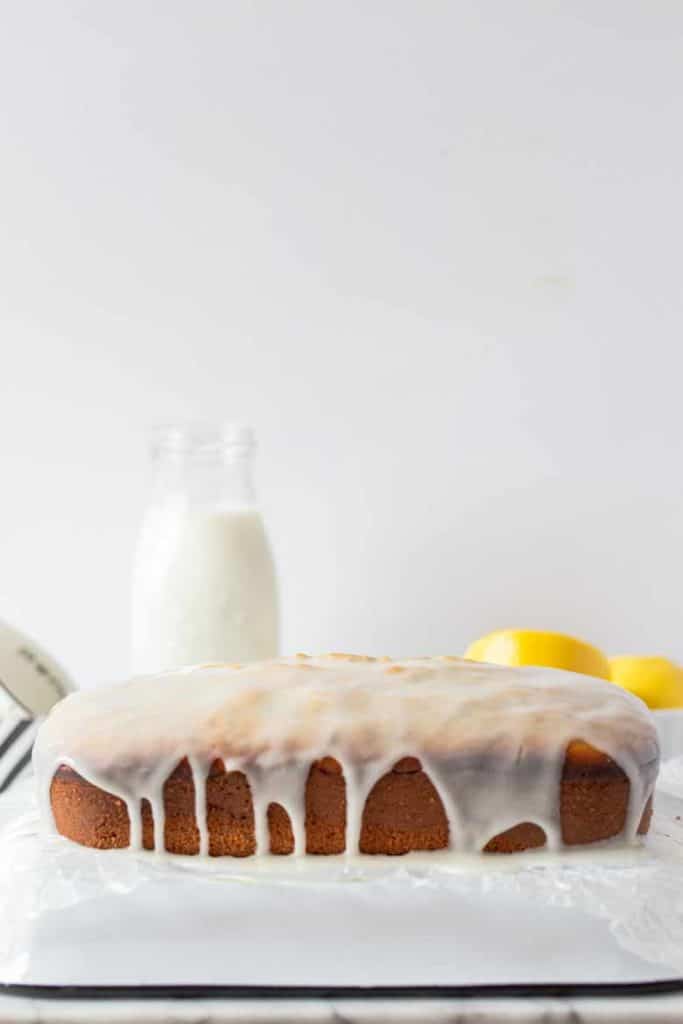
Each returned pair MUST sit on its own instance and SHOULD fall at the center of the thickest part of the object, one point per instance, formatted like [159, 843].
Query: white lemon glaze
[491, 739]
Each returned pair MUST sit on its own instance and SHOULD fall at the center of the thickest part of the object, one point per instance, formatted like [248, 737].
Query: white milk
[204, 590]
[204, 586]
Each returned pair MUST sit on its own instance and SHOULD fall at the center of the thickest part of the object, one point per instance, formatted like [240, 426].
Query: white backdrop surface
[431, 251]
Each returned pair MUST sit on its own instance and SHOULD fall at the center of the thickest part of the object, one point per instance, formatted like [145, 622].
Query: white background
[430, 250]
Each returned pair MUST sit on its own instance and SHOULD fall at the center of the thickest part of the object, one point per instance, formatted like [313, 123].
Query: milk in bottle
[204, 585]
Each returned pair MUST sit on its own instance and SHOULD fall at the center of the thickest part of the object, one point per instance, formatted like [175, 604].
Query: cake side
[403, 813]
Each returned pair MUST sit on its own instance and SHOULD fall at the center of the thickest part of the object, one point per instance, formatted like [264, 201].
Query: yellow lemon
[657, 681]
[533, 647]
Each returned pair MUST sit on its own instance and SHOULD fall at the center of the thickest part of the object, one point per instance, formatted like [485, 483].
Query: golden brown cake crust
[403, 811]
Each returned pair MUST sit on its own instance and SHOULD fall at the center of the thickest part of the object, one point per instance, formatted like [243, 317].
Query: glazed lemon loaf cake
[344, 754]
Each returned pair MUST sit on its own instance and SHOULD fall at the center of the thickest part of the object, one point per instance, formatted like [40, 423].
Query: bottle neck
[203, 483]
[208, 470]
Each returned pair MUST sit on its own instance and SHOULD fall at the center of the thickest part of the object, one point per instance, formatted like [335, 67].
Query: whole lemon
[535, 647]
[656, 680]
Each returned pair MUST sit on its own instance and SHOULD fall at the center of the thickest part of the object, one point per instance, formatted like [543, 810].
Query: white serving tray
[71, 916]
[369, 934]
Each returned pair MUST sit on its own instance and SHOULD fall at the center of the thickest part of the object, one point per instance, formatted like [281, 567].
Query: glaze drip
[491, 739]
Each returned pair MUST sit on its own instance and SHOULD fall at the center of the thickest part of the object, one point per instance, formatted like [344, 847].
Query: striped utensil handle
[17, 733]
[31, 682]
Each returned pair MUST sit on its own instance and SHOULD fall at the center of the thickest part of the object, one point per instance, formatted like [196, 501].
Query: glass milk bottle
[204, 585]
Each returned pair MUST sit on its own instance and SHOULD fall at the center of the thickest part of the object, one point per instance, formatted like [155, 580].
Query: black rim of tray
[336, 992]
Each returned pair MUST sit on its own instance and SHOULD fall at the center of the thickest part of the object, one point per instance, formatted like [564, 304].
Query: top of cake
[357, 707]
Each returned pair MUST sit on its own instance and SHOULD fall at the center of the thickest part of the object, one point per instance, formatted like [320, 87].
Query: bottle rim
[234, 440]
